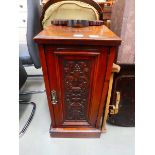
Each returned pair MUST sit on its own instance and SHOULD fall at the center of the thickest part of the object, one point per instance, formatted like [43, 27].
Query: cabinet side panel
[105, 87]
[98, 83]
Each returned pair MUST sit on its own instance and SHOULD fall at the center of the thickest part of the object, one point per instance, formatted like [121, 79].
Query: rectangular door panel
[73, 75]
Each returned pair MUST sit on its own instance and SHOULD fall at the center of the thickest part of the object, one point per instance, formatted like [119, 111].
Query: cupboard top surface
[93, 35]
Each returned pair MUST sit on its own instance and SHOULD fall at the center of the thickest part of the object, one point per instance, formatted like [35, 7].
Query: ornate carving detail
[76, 87]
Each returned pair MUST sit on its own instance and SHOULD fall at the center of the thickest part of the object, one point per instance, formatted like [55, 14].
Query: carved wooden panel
[76, 75]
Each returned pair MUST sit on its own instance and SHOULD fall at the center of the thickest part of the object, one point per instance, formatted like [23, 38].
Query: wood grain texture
[79, 73]
[93, 35]
[73, 77]
[74, 132]
[76, 53]
[106, 84]
[46, 79]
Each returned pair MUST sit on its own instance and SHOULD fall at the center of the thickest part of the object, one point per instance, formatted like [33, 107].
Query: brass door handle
[115, 108]
[53, 97]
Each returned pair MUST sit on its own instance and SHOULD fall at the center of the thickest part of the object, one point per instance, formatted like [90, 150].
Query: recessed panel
[76, 75]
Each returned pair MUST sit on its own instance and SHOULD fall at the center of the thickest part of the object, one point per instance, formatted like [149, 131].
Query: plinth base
[75, 132]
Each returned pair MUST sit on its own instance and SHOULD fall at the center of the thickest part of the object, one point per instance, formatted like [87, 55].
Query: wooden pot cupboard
[76, 64]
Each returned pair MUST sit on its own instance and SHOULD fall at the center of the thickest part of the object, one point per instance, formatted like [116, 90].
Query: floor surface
[36, 140]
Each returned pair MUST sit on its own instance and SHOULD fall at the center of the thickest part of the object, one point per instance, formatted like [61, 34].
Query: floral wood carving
[76, 88]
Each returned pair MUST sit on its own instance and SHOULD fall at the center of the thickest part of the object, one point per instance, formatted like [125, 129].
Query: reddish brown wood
[79, 73]
[106, 82]
[77, 53]
[98, 76]
[46, 79]
[74, 132]
[93, 35]
[76, 61]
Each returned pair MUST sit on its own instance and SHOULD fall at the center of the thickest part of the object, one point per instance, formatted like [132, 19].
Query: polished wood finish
[93, 35]
[75, 133]
[77, 63]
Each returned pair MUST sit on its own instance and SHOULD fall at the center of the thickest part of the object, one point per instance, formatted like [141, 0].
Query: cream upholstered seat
[69, 10]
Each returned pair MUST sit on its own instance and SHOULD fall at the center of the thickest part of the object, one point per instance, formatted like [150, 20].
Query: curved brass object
[115, 108]
[115, 69]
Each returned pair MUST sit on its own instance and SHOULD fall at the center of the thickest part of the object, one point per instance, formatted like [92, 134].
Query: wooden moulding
[75, 132]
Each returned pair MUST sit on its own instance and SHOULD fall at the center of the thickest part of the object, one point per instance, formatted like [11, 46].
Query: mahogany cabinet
[76, 64]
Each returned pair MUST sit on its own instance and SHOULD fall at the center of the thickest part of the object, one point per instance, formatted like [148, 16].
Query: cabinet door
[77, 77]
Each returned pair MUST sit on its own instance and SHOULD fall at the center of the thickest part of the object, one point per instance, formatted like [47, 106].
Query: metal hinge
[113, 109]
